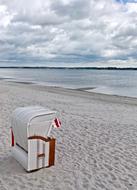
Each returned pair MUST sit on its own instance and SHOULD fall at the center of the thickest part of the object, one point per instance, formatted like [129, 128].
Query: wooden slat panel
[41, 155]
[40, 138]
[52, 152]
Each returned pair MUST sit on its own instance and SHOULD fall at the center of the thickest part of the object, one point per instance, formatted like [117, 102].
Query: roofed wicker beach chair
[32, 145]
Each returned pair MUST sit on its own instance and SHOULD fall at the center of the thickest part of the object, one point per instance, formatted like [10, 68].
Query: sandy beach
[96, 146]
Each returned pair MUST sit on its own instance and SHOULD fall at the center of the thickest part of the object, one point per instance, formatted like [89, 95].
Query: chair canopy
[30, 121]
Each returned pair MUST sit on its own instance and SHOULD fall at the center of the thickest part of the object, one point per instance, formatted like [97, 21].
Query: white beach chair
[31, 145]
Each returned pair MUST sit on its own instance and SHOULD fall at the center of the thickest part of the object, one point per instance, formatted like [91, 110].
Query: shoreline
[79, 92]
[76, 68]
[103, 90]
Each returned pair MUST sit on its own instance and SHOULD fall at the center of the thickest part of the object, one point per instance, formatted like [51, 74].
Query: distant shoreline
[76, 68]
[115, 81]
[81, 93]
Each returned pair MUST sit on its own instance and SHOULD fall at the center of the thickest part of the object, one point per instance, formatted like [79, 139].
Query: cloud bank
[56, 32]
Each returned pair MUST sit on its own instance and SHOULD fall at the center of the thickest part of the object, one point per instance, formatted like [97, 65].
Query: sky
[68, 33]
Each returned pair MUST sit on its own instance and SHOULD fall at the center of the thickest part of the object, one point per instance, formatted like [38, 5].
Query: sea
[113, 82]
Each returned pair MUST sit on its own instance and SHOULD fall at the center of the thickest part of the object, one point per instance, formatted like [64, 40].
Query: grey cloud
[39, 19]
[77, 9]
[68, 30]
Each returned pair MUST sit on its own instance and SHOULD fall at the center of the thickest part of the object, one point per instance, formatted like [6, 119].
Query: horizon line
[48, 67]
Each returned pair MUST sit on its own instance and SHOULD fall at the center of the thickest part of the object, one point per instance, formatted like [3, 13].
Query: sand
[96, 146]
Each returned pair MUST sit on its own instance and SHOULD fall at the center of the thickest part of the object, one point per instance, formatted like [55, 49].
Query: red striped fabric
[12, 137]
[57, 123]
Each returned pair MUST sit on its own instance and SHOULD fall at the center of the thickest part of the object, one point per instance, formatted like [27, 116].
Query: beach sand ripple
[96, 146]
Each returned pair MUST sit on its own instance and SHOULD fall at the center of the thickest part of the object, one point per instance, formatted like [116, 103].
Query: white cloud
[5, 17]
[68, 30]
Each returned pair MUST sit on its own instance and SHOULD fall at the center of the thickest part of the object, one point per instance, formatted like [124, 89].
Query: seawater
[116, 82]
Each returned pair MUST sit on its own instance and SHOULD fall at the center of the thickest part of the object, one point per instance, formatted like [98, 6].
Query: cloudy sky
[68, 32]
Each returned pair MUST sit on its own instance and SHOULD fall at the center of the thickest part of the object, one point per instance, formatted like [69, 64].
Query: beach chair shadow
[9, 166]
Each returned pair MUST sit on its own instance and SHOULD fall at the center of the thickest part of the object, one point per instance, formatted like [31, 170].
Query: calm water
[118, 82]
